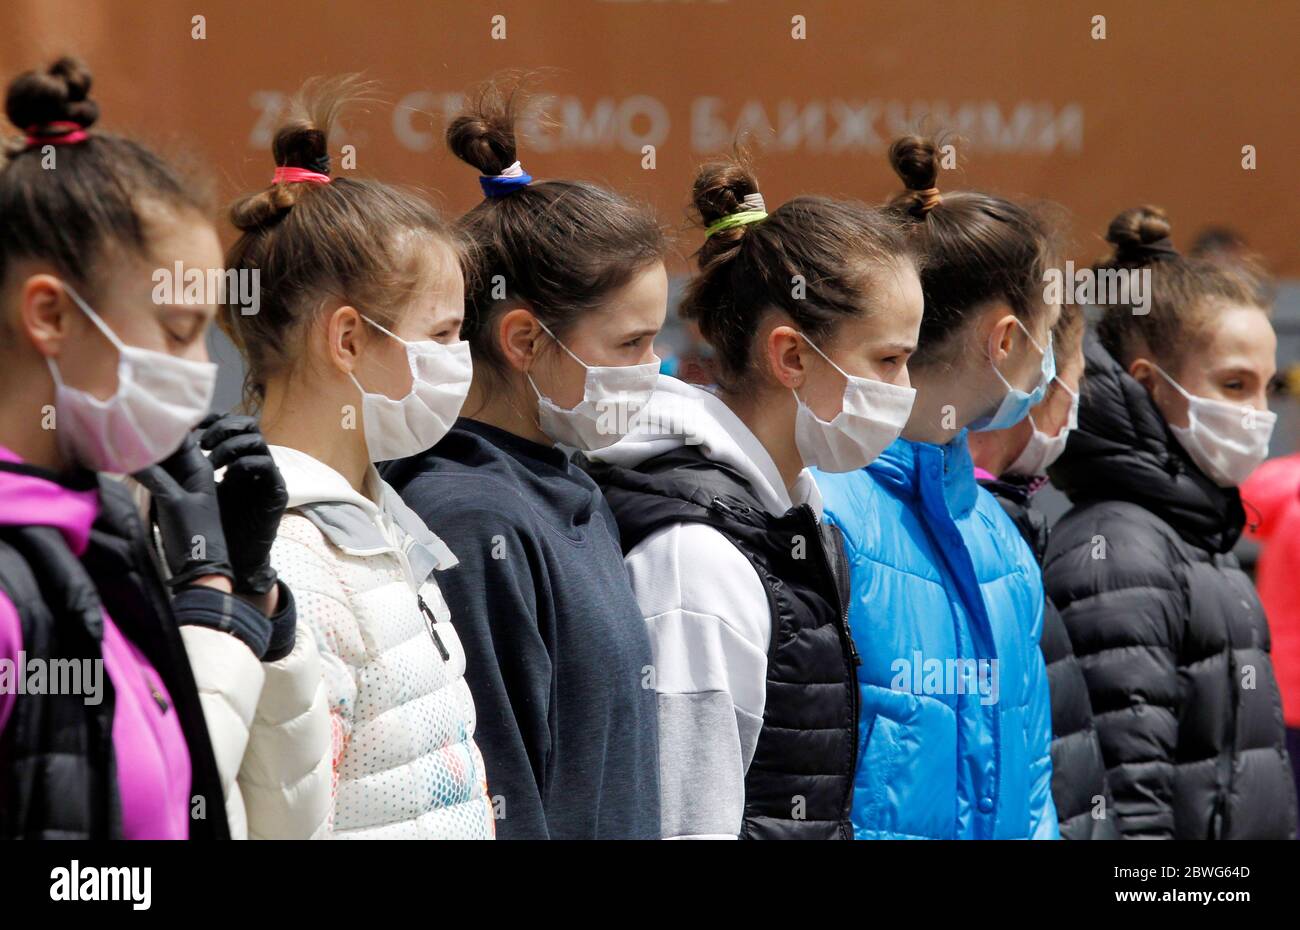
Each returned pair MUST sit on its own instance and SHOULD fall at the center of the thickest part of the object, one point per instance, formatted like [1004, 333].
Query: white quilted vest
[406, 765]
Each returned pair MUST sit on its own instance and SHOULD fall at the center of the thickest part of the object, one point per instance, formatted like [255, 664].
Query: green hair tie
[732, 220]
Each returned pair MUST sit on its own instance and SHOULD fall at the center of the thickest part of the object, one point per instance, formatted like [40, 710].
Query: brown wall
[1157, 112]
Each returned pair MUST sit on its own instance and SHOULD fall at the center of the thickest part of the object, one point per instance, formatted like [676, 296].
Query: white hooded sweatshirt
[709, 621]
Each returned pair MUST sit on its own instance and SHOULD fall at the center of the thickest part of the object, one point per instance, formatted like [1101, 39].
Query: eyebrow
[1236, 370]
[636, 334]
[193, 309]
[908, 347]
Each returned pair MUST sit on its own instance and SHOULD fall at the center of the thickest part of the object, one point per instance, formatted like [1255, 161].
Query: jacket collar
[681, 414]
[32, 496]
[1016, 488]
[911, 468]
[1123, 450]
[355, 522]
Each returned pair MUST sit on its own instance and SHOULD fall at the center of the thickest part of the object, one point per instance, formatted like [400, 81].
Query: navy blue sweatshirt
[558, 658]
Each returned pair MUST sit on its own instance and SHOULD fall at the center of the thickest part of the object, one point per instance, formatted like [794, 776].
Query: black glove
[188, 517]
[252, 496]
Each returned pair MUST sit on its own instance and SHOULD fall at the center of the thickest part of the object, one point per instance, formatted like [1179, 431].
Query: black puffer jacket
[1169, 631]
[1084, 807]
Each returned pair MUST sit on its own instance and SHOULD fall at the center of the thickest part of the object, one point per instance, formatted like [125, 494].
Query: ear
[45, 313]
[1002, 334]
[785, 359]
[519, 337]
[345, 337]
[1143, 371]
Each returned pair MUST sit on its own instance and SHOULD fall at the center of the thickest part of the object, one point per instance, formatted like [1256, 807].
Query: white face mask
[612, 397]
[159, 399]
[872, 415]
[1226, 441]
[440, 378]
[1042, 449]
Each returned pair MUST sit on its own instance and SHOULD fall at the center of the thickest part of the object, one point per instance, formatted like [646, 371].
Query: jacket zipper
[155, 693]
[437, 640]
[419, 599]
[848, 639]
[835, 584]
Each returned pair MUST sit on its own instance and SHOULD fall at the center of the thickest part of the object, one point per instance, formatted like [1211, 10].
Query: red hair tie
[65, 132]
[288, 175]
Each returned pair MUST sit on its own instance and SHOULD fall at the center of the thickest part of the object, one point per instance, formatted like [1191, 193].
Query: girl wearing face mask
[1173, 416]
[354, 357]
[740, 582]
[946, 599]
[97, 378]
[1011, 465]
[569, 291]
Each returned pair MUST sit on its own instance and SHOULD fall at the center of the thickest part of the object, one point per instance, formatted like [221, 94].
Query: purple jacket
[153, 762]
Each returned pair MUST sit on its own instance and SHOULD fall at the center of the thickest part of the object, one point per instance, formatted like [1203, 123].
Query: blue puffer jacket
[951, 745]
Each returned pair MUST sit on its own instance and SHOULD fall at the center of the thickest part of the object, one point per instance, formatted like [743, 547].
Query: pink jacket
[153, 762]
[1272, 496]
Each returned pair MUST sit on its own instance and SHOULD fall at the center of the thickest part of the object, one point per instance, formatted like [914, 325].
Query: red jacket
[1274, 492]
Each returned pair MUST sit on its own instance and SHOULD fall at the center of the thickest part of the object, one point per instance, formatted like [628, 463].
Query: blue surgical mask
[1016, 404]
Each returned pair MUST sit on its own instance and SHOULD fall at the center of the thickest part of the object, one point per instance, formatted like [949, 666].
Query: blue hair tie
[507, 182]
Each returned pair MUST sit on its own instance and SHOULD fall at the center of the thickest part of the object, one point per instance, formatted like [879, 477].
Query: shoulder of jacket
[854, 502]
[1126, 524]
[1008, 534]
[1123, 546]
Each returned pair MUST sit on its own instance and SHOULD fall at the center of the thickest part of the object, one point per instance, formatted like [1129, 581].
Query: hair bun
[60, 93]
[302, 146]
[263, 208]
[483, 136]
[303, 141]
[721, 188]
[1139, 233]
[915, 160]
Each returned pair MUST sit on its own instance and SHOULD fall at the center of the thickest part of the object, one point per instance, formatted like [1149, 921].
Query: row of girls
[580, 599]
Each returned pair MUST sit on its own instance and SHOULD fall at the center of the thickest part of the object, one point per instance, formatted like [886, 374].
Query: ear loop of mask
[404, 343]
[1074, 400]
[1177, 387]
[99, 324]
[546, 329]
[848, 379]
[1033, 342]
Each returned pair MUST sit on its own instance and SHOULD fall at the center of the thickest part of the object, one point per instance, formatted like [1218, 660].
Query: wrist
[219, 582]
[267, 603]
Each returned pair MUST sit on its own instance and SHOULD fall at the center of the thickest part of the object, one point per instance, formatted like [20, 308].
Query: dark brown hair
[92, 201]
[978, 248]
[1185, 292]
[560, 247]
[354, 240]
[837, 249]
